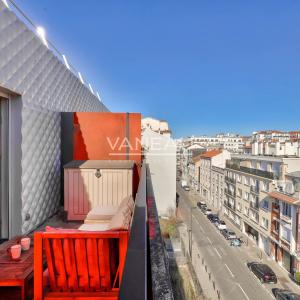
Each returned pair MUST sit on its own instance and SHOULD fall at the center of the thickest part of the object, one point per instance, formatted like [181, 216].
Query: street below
[227, 263]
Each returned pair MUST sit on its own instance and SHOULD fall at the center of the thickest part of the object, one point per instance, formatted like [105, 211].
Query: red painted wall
[102, 136]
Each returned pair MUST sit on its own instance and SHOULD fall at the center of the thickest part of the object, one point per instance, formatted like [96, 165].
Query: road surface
[227, 264]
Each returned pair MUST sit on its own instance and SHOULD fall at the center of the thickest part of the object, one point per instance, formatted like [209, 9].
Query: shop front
[251, 232]
[265, 244]
[287, 260]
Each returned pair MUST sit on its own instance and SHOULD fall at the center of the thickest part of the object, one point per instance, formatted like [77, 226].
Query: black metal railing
[254, 189]
[252, 171]
[254, 205]
[146, 272]
[229, 192]
[227, 204]
[229, 179]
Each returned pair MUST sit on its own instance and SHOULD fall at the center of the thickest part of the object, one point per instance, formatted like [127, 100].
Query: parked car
[203, 208]
[222, 225]
[281, 294]
[263, 272]
[228, 234]
[236, 242]
[215, 220]
[208, 211]
[201, 204]
[211, 216]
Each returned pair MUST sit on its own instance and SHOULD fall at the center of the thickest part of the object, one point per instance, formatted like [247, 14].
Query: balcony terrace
[146, 270]
[229, 192]
[230, 180]
[256, 172]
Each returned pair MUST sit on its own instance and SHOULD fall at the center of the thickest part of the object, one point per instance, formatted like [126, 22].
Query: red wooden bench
[80, 265]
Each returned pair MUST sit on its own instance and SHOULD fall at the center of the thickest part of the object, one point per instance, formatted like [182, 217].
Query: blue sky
[205, 66]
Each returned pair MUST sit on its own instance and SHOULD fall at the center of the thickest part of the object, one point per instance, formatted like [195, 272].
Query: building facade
[251, 183]
[159, 126]
[208, 160]
[217, 187]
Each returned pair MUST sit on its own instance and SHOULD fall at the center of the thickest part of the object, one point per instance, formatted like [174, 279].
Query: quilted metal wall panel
[46, 87]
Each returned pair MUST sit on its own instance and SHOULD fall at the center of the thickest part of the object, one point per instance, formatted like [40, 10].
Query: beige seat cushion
[102, 213]
[127, 201]
[94, 227]
[121, 220]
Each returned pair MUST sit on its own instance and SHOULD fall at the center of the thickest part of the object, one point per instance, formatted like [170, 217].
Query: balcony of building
[252, 171]
[254, 189]
[144, 274]
[230, 192]
[107, 243]
[229, 204]
[254, 205]
[230, 179]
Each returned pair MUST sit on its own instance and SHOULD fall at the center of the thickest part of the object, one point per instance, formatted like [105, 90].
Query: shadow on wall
[78, 139]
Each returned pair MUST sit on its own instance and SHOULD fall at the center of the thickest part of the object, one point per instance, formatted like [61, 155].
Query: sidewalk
[251, 252]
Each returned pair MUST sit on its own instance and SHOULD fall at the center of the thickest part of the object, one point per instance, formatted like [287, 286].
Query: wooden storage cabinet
[92, 183]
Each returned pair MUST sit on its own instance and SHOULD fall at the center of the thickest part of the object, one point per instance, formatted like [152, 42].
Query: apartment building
[277, 148]
[159, 126]
[285, 208]
[249, 182]
[188, 152]
[230, 142]
[213, 158]
[217, 187]
[276, 143]
[268, 135]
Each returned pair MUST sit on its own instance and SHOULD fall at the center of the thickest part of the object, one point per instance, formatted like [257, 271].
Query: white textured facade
[160, 155]
[39, 87]
[159, 126]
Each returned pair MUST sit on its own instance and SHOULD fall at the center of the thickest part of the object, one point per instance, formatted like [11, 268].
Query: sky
[204, 66]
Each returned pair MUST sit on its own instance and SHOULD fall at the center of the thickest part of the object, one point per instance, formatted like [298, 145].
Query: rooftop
[211, 153]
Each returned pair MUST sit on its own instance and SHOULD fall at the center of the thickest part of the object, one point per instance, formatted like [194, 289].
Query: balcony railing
[227, 204]
[254, 205]
[254, 189]
[146, 273]
[252, 171]
[229, 179]
[229, 192]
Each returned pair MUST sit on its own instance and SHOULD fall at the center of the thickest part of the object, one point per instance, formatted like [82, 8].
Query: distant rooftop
[294, 174]
[210, 154]
[262, 157]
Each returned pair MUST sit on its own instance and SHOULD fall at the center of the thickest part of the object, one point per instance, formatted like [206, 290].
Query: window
[265, 223]
[286, 209]
[265, 186]
[239, 207]
[246, 180]
[246, 196]
[265, 204]
[238, 178]
[276, 226]
[239, 192]
[286, 234]
[246, 211]
[255, 216]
